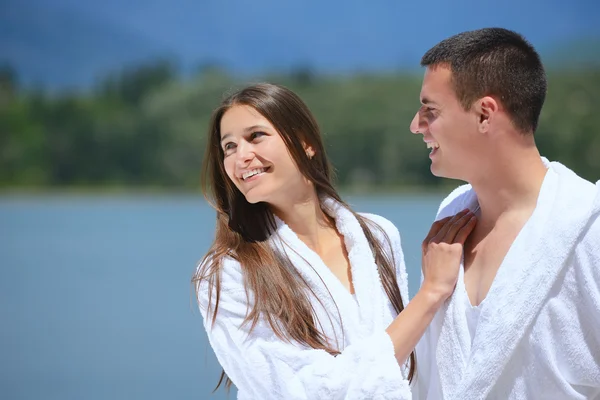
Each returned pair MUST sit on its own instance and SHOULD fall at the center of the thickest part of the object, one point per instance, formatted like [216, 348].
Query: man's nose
[415, 124]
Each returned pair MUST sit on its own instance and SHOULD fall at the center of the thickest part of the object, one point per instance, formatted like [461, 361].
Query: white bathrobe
[263, 367]
[538, 333]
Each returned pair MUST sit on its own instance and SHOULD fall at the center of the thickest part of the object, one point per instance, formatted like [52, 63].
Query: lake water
[95, 294]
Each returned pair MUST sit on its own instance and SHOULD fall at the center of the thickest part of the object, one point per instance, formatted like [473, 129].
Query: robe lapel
[361, 316]
[454, 344]
[337, 304]
[365, 273]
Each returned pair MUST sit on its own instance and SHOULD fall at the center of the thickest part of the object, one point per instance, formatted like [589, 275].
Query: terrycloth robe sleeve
[263, 366]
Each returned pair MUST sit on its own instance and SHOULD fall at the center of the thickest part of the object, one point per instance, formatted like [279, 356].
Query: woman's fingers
[433, 231]
[442, 251]
[453, 230]
[450, 226]
[464, 232]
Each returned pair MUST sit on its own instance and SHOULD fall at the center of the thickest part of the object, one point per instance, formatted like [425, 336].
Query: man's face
[448, 130]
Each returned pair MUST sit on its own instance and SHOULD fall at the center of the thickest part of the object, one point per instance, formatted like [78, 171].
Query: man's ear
[486, 109]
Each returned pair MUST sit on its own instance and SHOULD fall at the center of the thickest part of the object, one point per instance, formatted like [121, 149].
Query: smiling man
[524, 319]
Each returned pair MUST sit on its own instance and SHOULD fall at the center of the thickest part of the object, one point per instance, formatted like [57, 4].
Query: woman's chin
[255, 197]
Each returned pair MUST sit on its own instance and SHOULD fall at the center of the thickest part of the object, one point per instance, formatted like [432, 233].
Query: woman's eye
[256, 135]
[228, 146]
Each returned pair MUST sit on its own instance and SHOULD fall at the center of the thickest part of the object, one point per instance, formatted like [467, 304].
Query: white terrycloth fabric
[264, 367]
[538, 334]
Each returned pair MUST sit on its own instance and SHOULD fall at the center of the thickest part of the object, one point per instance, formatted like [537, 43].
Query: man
[524, 319]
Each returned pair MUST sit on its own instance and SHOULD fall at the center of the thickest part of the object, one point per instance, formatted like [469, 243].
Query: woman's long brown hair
[281, 296]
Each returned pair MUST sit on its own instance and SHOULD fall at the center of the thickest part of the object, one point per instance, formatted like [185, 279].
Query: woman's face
[256, 158]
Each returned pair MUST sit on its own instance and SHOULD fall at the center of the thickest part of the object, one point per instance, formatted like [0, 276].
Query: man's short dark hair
[494, 62]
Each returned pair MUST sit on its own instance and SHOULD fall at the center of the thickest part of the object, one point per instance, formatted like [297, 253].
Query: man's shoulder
[591, 239]
[456, 201]
[588, 246]
[591, 230]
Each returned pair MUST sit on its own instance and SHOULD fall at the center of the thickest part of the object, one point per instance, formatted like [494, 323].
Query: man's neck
[510, 184]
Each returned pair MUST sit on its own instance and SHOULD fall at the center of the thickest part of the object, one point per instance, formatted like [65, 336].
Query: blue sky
[74, 42]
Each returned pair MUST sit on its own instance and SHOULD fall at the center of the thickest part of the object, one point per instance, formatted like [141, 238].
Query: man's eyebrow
[425, 100]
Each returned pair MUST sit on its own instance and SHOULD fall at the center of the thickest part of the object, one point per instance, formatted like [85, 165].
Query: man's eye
[428, 111]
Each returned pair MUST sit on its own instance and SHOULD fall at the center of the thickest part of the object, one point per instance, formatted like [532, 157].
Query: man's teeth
[432, 145]
[253, 172]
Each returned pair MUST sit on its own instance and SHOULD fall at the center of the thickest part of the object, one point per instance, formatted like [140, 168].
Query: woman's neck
[307, 220]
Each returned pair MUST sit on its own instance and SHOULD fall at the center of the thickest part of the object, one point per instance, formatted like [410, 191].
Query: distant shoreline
[98, 191]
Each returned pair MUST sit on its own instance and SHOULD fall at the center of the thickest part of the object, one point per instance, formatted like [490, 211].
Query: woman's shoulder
[226, 267]
[384, 225]
[392, 240]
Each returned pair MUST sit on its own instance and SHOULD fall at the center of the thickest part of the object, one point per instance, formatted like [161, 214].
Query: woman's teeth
[253, 172]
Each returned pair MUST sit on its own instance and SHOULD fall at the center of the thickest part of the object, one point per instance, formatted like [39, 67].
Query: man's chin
[436, 171]
[440, 173]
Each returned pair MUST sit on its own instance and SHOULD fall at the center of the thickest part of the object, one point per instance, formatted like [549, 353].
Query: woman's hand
[442, 252]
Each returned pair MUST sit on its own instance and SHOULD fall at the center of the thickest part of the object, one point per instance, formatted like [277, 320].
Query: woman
[303, 298]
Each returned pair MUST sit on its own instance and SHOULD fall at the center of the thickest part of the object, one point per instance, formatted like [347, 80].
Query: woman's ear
[310, 152]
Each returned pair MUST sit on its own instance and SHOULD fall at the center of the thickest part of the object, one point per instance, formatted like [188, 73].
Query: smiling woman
[251, 148]
[301, 296]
